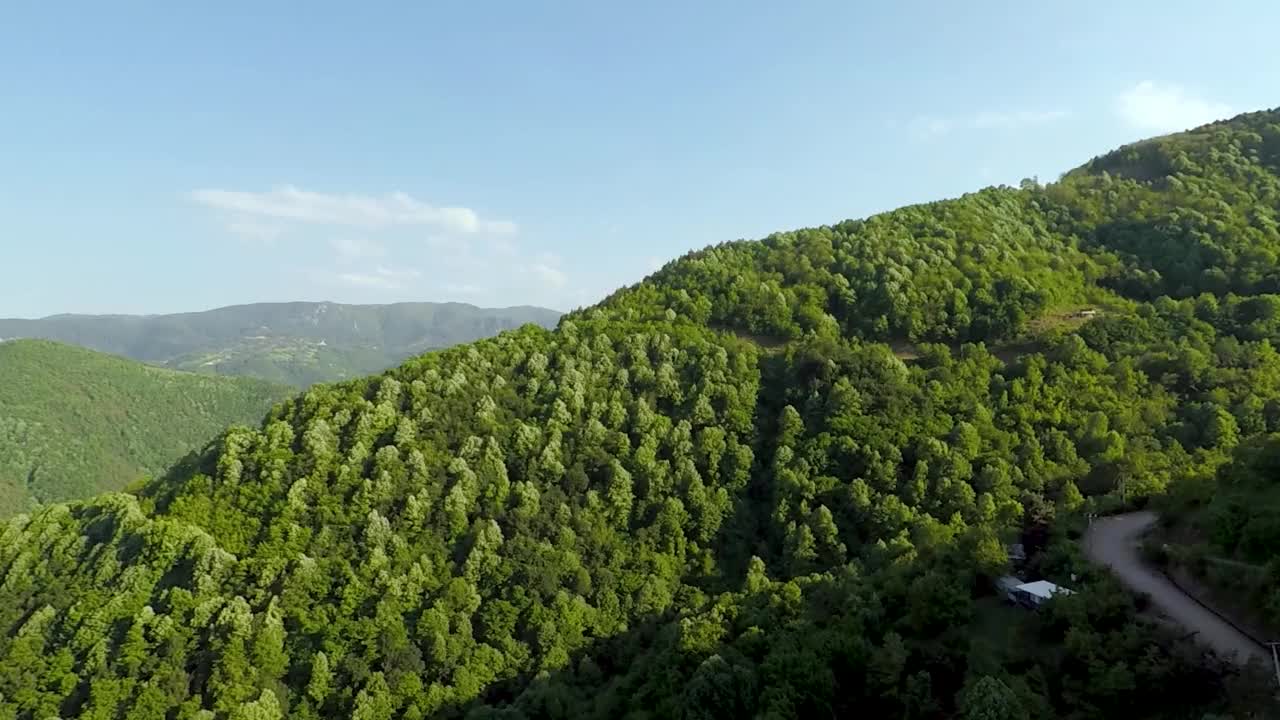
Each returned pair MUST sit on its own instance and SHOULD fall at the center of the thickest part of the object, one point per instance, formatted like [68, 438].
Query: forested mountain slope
[75, 423]
[718, 493]
[291, 343]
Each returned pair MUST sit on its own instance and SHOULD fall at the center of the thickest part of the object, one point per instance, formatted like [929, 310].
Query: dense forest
[773, 480]
[297, 343]
[75, 423]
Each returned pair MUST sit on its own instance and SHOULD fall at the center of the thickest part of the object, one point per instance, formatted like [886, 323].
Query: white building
[1034, 594]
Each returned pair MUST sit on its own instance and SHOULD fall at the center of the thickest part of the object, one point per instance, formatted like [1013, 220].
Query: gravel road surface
[1113, 541]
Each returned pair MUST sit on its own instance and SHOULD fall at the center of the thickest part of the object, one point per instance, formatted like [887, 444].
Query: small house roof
[1043, 589]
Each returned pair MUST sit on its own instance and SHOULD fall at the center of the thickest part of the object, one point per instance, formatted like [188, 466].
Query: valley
[75, 423]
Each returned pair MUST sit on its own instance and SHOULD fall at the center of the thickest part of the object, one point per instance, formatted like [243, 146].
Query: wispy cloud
[372, 248]
[255, 231]
[505, 248]
[289, 203]
[382, 278]
[349, 249]
[549, 275]
[1166, 108]
[928, 126]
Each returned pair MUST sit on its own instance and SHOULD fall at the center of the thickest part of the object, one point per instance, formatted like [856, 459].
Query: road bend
[1113, 541]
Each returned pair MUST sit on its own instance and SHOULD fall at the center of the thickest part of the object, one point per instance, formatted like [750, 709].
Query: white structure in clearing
[1034, 594]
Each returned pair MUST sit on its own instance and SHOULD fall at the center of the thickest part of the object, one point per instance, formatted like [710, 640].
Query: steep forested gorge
[768, 481]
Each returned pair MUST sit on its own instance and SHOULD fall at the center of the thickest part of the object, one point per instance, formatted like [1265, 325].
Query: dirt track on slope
[1113, 541]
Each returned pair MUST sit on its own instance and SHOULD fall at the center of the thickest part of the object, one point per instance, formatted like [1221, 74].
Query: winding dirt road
[1113, 541]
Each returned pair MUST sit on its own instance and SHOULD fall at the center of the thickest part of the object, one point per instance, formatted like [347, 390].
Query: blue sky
[161, 157]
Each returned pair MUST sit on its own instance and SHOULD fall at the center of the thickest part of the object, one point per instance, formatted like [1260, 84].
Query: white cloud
[1166, 108]
[349, 249]
[549, 276]
[255, 231]
[292, 204]
[505, 248]
[928, 126]
[374, 248]
[382, 278]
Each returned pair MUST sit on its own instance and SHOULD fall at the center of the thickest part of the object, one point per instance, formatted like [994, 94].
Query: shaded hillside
[647, 513]
[74, 423]
[291, 343]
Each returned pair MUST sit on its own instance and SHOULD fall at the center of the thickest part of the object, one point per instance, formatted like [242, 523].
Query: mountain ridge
[238, 306]
[296, 343]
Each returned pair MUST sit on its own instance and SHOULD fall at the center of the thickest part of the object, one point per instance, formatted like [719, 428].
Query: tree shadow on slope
[899, 645]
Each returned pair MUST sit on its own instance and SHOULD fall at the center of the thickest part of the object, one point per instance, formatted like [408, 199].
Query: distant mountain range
[74, 422]
[296, 343]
